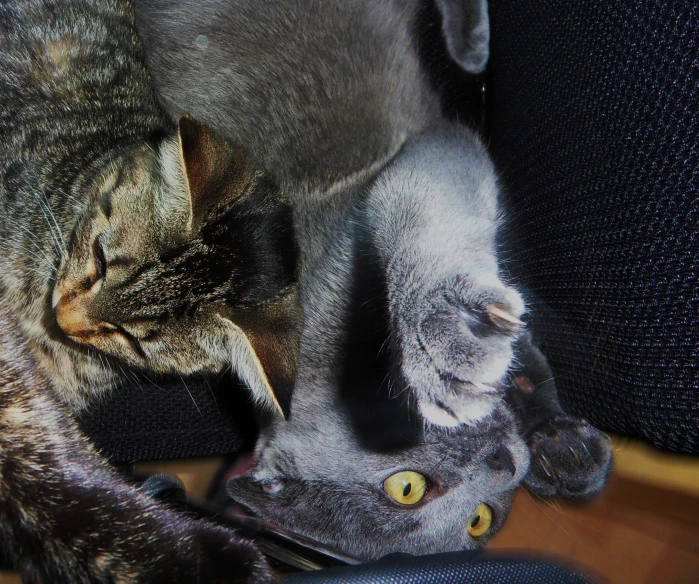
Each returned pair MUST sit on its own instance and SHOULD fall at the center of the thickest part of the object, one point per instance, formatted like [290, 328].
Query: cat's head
[385, 485]
[183, 263]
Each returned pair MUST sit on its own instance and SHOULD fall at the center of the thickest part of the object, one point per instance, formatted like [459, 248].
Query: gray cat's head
[183, 263]
[419, 490]
[355, 468]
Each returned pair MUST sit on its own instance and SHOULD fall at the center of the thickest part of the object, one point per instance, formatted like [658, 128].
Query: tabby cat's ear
[265, 349]
[466, 28]
[215, 171]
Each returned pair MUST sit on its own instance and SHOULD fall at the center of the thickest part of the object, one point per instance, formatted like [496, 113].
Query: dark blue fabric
[594, 125]
[447, 568]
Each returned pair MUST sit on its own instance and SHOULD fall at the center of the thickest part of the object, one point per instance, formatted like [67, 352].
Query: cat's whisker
[54, 236]
[43, 260]
[213, 395]
[65, 195]
[552, 378]
[558, 508]
[405, 390]
[56, 229]
[151, 381]
[190, 394]
[383, 345]
[383, 381]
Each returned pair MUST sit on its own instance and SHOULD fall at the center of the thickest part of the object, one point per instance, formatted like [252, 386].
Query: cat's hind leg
[569, 457]
[433, 215]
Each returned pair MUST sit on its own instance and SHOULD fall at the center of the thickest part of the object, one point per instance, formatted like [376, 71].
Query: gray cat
[334, 102]
[128, 241]
[353, 466]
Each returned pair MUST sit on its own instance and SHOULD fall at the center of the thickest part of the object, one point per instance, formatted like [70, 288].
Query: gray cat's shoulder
[324, 93]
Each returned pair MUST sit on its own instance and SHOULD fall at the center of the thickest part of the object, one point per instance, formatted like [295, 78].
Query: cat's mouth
[280, 543]
[244, 464]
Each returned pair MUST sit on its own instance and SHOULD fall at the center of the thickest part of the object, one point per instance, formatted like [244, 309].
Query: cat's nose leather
[71, 317]
[501, 459]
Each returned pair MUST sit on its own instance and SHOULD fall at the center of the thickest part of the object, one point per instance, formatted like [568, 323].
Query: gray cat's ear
[264, 349]
[215, 171]
[467, 31]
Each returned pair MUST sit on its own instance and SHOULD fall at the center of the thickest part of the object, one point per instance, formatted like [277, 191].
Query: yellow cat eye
[406, 487]
[480, 521]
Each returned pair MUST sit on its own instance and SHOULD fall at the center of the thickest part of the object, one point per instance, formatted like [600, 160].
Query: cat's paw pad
[569, 458]
[460, 347]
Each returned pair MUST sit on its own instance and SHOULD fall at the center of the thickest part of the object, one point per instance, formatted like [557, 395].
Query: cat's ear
[467, 30]
[264, 349]
[214, 170]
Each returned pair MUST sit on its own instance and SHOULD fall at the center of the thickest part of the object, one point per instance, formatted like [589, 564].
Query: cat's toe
[463, 334]
[569, 458]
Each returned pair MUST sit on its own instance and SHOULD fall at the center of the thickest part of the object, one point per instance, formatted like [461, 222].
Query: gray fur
[332, 100]
[325, 94]
[322, 93]
[315, 473]
[433, 213]
[320, 473]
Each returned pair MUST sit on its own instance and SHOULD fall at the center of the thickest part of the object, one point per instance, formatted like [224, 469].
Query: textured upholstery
[594, 125]
[447, 568]
[172, 419]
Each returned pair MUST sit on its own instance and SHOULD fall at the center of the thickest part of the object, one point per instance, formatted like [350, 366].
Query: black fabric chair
[594, 126]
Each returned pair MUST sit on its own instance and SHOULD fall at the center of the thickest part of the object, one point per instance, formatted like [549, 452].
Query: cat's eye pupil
[476, 521]
[406, 489]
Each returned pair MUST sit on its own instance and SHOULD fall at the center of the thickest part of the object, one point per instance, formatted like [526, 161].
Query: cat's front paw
[178, 551]
[569, 458]
[217, 555]
[456, 344]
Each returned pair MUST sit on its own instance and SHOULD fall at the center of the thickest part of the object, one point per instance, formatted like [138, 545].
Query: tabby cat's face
[124, 288]
[183, 263]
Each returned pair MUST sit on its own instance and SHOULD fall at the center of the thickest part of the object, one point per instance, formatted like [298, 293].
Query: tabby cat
[127, 241]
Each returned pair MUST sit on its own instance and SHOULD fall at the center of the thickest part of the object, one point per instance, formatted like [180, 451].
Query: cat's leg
[433, 215]
[569, 457]
[66, 517]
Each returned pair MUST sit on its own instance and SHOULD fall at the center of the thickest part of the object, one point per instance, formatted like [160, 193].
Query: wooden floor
[633, 534]
[644, 529]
